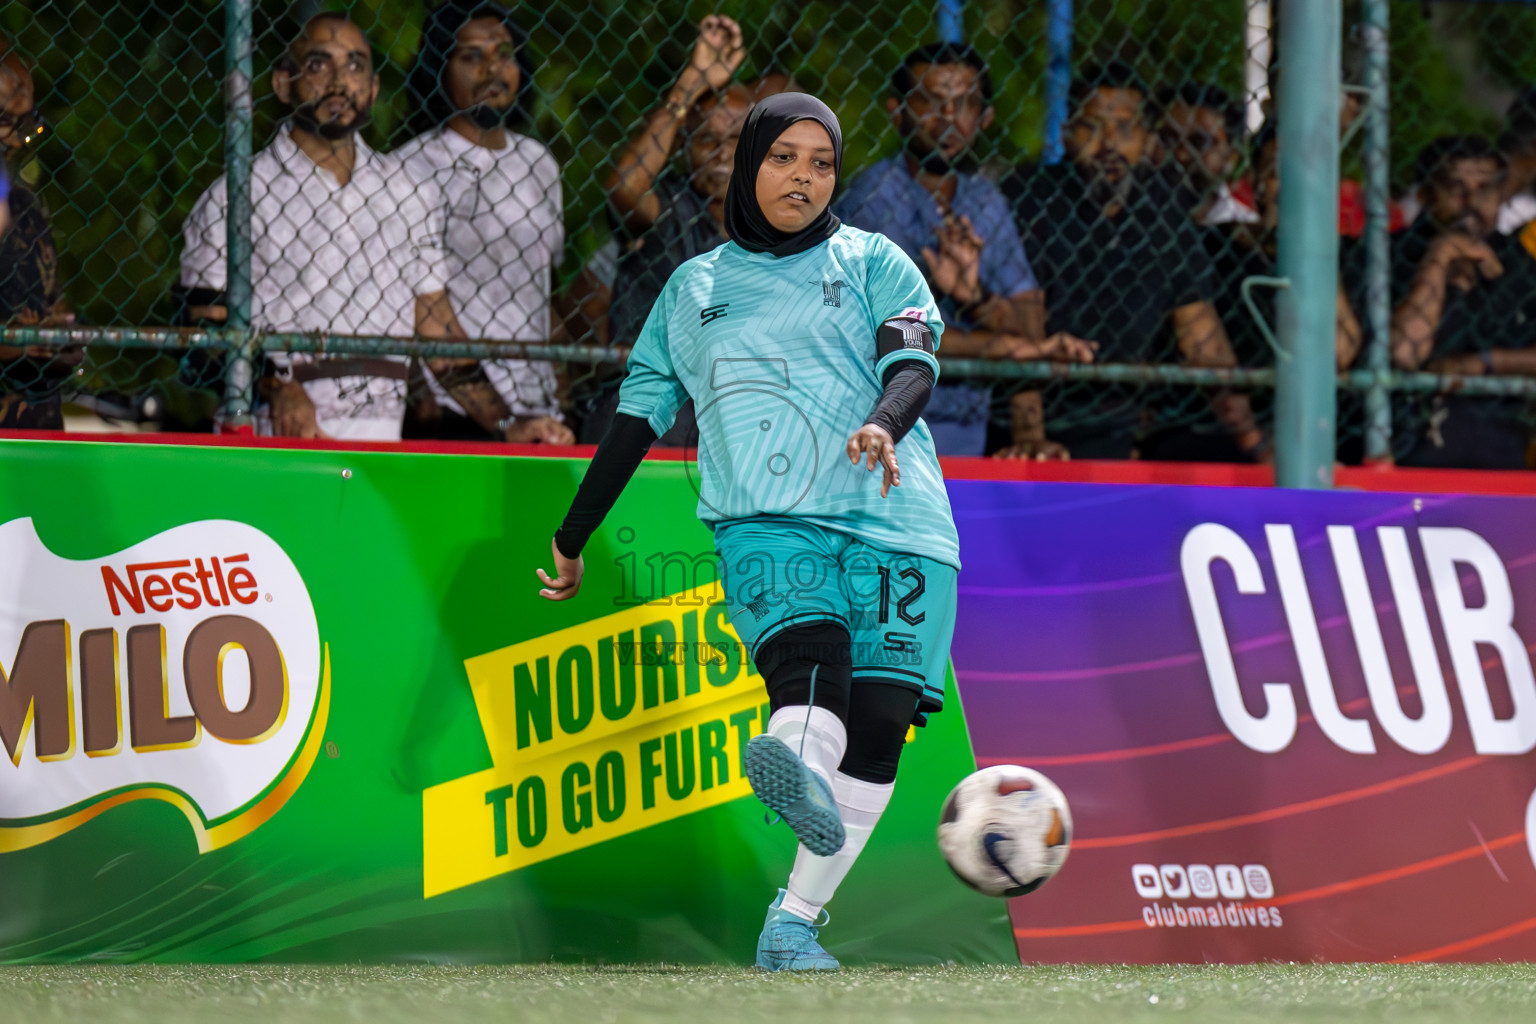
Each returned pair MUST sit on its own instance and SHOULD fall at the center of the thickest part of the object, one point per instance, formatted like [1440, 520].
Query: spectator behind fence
[1352, 106]
[1518, 144]
[1200, 127]
[663, 219]
[1241, 251]
[497, 193]
[30, 293]
[1121, 263]
[1464, 301]
[340, 243]
[584, 318]
[929, 200]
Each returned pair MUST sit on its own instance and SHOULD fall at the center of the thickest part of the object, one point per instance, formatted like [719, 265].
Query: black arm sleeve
[908, 384]
[618, 455]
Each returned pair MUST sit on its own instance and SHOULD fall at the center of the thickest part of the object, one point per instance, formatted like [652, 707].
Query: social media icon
[1175, 881]
[1260, 885]
[1149, 885]
[1202, 881]
[1230, 881]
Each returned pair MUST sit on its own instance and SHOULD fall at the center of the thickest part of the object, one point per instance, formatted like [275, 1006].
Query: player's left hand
[875, 444]
[567, 579]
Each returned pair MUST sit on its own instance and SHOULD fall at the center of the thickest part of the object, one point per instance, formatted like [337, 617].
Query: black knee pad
[787, 660]
[879, 715]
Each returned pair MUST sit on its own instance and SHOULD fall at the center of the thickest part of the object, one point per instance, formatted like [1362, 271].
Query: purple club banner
[1291, 725]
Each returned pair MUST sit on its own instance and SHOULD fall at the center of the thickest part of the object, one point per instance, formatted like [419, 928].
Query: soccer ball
[1005, 830]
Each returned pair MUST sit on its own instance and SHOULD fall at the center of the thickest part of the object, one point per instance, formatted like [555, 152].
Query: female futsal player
[800, 338]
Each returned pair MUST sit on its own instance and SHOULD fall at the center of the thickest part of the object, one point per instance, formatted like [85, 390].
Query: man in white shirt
[341, 244]
[498, 198]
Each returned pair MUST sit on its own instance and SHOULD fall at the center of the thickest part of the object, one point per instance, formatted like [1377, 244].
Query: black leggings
[875, 712]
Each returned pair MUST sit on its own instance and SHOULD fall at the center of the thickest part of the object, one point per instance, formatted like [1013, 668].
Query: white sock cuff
[858, 795]
[822, 725]
[801, 908]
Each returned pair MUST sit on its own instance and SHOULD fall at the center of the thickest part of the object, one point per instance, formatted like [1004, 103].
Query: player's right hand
[567, 579]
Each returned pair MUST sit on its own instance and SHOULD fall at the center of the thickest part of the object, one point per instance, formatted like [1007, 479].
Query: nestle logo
[159, 586]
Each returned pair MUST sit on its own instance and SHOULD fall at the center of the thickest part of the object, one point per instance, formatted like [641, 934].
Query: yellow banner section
[596, 731]
[507, 818]
[605, 677]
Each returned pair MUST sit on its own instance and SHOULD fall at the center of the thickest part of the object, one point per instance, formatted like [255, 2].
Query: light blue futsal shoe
[798, 795]
[788, 942]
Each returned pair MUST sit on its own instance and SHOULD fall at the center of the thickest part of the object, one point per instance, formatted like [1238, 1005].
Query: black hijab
[745, 221]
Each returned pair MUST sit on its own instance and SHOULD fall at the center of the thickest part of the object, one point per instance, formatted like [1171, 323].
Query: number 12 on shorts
[915, 583]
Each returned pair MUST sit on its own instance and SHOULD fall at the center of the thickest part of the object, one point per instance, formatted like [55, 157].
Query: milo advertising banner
[287, 705]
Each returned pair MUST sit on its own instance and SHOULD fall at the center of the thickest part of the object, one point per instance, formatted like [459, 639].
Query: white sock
[814, 879]
[825, 737]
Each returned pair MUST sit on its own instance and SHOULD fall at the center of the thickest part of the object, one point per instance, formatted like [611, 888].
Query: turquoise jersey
[778, 355]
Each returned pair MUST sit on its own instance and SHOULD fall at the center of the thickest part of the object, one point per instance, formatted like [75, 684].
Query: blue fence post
[1058, 76]
[951, 21]
[239, 388]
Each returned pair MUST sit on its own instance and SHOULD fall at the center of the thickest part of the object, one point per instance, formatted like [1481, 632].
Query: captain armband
[903, 333]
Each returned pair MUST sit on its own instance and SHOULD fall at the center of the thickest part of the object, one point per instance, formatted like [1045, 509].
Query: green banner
[288, 705]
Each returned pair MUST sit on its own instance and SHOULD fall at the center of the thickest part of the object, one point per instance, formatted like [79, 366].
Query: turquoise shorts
[898, 608]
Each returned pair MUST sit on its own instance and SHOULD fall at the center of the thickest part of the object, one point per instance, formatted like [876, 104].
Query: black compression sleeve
[908, 384]
[618, 455]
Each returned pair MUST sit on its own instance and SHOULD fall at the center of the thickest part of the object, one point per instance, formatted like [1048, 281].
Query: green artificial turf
[590, 995]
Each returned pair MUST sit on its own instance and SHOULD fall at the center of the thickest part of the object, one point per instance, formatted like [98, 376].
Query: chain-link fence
[1096, 184]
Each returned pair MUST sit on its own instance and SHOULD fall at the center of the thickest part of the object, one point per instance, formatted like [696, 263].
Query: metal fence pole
[239, 382]
[1058, 76]
[1378, 268]
[1305, 402]
[951, 21]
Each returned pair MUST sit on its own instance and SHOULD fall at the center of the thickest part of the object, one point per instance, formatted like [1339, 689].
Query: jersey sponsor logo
[709, 314]
[914, 314]
[912, 334]
[185, 668]
[832, 293]
[898, 335]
